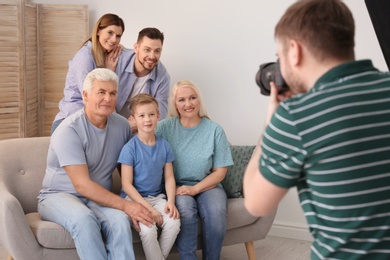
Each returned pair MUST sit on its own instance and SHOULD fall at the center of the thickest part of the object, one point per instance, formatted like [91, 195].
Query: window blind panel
[62, 31]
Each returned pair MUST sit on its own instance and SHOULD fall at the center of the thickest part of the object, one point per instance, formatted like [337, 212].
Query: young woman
[101, 50]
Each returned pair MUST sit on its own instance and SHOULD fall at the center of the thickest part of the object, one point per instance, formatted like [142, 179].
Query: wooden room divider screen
[36, 43]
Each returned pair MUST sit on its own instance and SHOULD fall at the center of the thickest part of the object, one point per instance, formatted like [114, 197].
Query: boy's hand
[171, 208]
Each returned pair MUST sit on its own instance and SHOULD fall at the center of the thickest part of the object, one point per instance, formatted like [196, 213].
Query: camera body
[270, 72]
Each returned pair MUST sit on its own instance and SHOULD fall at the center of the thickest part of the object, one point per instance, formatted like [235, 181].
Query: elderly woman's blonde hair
[172, 111]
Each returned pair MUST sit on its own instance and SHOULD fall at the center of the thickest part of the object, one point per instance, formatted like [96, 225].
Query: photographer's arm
[262, 196]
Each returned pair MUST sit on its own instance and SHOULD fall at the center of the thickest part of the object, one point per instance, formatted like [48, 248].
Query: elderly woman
[202, 155]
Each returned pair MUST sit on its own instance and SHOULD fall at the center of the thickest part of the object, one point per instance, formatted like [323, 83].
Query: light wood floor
[271, 248]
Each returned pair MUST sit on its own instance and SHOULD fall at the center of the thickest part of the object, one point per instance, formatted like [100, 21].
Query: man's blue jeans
[211, 206]
[87, 221]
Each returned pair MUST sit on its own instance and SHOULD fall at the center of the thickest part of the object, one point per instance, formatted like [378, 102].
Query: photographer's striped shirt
[333, 143]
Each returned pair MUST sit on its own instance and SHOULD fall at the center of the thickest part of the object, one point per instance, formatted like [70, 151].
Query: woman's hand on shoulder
[113, 57]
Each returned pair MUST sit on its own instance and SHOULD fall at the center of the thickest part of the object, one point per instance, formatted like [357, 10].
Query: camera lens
[270, 72]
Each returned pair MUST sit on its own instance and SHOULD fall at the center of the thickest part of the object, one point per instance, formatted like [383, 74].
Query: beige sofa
[25, 236]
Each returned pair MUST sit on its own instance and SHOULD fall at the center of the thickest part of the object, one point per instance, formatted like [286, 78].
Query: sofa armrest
[16, 235]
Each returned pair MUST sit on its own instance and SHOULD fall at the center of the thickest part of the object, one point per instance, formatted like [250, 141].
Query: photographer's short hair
[326, 27]
[142, 99]
[172, 111]
[100, 74]
[151, 33]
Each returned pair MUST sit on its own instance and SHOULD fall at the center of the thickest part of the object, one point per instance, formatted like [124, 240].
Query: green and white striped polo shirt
[333, 143]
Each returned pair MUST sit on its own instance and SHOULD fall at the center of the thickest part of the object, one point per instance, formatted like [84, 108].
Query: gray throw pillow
[233, 181]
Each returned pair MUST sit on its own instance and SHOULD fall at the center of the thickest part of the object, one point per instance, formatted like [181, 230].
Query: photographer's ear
[295, 52]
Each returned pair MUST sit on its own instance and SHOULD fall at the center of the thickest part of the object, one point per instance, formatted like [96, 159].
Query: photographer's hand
[274, 100]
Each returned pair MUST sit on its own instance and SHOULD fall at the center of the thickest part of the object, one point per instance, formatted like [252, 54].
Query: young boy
[146, 163]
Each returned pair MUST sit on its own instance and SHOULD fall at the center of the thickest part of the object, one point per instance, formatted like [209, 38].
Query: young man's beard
[146, 67]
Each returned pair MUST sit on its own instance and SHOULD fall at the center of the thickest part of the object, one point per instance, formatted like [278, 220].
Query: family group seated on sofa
[171, 169]
[181, 184]
[86, 147]
[113, 113]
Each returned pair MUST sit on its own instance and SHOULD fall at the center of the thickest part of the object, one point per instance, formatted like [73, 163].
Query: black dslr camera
[270, 72]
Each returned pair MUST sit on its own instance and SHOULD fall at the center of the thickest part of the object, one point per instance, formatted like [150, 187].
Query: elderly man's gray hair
[100, 74]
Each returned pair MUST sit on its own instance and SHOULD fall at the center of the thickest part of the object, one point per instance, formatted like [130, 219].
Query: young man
[330, 139]
[146, 165]
[82, 156]
[140, 71]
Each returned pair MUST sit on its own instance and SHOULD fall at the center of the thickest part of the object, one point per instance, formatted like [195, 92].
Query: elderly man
[81, 159]
[330, 139]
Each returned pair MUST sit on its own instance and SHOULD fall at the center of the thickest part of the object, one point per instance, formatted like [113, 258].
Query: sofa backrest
[22, 167]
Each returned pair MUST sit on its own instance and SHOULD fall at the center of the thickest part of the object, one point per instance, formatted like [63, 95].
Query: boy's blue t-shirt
[148, 164]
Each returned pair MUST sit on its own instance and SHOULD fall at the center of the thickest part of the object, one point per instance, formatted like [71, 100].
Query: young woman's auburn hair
[98, 52]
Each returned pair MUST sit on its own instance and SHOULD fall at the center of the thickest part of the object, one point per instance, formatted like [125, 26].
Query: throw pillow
[233, 181]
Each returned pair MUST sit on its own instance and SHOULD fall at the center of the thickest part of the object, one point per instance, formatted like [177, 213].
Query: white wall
[220, 44]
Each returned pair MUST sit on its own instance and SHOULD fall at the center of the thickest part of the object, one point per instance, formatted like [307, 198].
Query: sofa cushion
[237, 214]
[233, 180]
[49, 234]
[53, 235]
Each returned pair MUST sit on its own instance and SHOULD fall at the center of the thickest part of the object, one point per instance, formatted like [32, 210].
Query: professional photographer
[328, 134]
